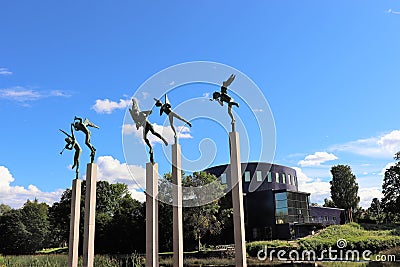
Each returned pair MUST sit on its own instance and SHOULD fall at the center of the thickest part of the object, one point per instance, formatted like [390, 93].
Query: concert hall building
[274, 207]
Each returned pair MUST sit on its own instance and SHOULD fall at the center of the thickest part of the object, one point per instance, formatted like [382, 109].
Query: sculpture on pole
[72, 143]
[166, 107]
[140, 119]
[223, 96]
[82, 125]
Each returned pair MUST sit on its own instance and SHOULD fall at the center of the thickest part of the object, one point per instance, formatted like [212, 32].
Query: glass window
[284, 178]
[269, 175]
[277, 177]
[247, 176]
[295, 181]
[259, 176]
[290, 179]
[280, 196]
[223, 178]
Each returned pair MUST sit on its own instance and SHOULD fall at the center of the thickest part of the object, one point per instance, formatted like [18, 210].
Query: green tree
[344, 189]
[13, 233]
[201, 220]
[329, 203]
[34, 216]
[375, 211]
[391, 192]
[4, 208]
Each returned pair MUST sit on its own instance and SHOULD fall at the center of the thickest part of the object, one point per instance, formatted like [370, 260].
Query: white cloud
[107, 106]
[393, 12]
[172, 83]
[367, 194]
[166, 131]
[113, 171]
[16, 196]
[319, 190]
[383, 146]
[317, 158]
[22, 94]
[145, 95]
[5, 71]
[390, 164]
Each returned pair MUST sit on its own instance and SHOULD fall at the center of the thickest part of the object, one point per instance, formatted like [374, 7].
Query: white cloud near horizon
[320, 190]
[22, 94]
[383, 146]
[317, 159]
[113, 171]
[107, 106]
[15, 196]
[5, 71]
[393, 12]
[183, 132]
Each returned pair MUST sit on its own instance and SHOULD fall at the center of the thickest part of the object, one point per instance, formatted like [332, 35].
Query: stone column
[74, 223]
[237, 201]
[177, 206]
[151, 215]
[90, 215]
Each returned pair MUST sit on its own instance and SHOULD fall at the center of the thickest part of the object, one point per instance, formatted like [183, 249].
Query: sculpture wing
[65, 133]
[135, 105]
[229, 81]
[90, 124]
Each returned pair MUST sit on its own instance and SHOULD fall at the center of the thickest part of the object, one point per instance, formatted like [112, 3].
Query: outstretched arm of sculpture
[78, 119]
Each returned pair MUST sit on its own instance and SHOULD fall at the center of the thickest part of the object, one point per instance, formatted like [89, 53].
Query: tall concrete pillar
[151, 215]
[90, 215]
[73, 244]
[177, 206]
[237, 201]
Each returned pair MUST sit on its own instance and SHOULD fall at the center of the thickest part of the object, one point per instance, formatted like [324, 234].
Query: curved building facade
[274, 207]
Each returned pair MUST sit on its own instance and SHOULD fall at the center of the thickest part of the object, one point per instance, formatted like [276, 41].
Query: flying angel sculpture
[82, 125]
[72, 143]
[223, 96]
[140, 119]
[166, 107]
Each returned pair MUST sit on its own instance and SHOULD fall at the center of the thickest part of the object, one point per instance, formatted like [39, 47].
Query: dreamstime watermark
[330, 254]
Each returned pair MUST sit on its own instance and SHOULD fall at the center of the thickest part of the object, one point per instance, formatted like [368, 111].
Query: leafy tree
[391, 191]
[4, 208]
[34, 216]
[375, 211]
[344, 189]
[329, 203]
[13, 233]
[201, 220]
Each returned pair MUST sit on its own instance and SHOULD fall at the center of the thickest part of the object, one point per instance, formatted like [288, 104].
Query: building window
[290, 179]
[277, 177]
[269, 175]
[334, 219]
[223, 178]
[247, 176]
[295, 181]
[259, 176]
[284, 178]
[281, 208]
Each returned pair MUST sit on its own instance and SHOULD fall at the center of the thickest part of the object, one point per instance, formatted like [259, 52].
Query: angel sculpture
[140, 119]
[82, 125]
[72, 143]
[166, 107]
[223, 96]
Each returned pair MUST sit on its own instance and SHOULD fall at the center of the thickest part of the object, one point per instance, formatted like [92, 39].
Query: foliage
[344, 188]
[4, 208]
[391, 191]
[356, 236]
[13, 233]
[329, 203]
[201, 220]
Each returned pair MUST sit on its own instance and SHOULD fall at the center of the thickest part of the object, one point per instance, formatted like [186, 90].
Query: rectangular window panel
[269, 175]
[223, 178]
[259, 176]
[284, 178]
[290, 179]
[277, 177]
[247, 176]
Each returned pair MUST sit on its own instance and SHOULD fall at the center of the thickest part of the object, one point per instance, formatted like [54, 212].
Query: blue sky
[328, 69]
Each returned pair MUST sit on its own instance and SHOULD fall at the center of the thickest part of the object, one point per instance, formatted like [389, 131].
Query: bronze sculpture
[72, 143]
[82, 125]
[166, 107]
[223, 96]
[140, 119]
